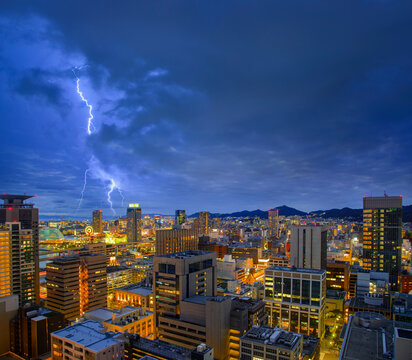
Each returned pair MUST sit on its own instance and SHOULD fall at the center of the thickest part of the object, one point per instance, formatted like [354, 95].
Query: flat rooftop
[89, 335]
[185, 254]
[273, 337]
[137, 289]
[295, 269]
[367, 335]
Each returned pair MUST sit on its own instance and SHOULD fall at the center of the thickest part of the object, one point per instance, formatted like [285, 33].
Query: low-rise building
[277, 344]
[87, 341]
[134, 295]
[127, 319]
[141, 348]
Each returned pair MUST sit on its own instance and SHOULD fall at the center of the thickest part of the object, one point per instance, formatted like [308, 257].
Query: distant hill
[345, 213]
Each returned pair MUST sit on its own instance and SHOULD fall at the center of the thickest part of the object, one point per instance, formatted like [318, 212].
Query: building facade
[382, 236]
[295, 299]
[176, 240]
[180, 217]
[308, 246]
[273, 223]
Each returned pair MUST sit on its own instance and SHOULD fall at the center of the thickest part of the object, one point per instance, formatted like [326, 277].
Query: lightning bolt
[84, 188]
[112, 186]
[90, 124]
[103, 175]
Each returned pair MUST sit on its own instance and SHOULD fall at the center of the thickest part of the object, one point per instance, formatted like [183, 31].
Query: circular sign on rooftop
[88, 230]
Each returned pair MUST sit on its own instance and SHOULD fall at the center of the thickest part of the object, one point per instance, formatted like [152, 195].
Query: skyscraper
[97, 221]
[382, 236]
[273, 222]
[21, 220]
[204, 222]
[76, 284]
[180, 217]
[308, 246]
[134, 224]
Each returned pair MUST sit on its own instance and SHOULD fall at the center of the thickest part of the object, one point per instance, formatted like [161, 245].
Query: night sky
[206, 105]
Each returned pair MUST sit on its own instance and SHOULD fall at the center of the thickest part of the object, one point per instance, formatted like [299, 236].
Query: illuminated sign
[88, 230]
[134, 205]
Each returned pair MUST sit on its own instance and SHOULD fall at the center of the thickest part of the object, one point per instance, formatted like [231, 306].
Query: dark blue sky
[217, 105]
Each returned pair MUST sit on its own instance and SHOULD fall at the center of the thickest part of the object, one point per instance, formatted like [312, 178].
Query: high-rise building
[76, 284]
[171, 241]
[337, 275]
[21, 220]
[273, 222]
[134, 224]
[97, 221]
[308, 246]
[382, 236]
[204, 222]
[180, 217]
[295, 299]
[5, 263]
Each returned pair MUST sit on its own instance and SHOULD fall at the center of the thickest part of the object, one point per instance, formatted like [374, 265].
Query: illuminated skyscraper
[20, 220]
[97, 221]
[308, 246]
[180, 217]
[171, 241]
[273, 220]
[204, 222]
[382, 236]
[134, 223]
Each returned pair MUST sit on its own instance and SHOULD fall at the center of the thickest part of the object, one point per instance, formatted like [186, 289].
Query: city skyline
[202, 106]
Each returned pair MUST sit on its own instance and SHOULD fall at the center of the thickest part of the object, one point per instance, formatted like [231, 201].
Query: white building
[86, 340]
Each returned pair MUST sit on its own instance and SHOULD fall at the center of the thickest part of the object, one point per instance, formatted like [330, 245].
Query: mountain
[345, 213]
[283, 211]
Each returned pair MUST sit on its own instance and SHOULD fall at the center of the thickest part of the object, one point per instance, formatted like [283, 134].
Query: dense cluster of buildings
[206, 288]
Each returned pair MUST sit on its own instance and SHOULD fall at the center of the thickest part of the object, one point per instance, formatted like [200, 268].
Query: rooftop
[273, 336]
[186, 254]
[89, 335]
[136, 288]
[369, 335]
[161, 348]
[295, 269]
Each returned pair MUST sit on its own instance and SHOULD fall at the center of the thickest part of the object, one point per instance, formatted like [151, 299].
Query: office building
[5, 263]
[86, 341]
[273, 223]
[30, 331]
[373, 282]
[377, 303]
[176, 240]
[308, 246]
[245, 251]
[127, 319]
[204, 222]
[134, 224]
[277, 344]
[295, 299]
[76, 284]
[369, 335]
[382, 236]
[138, 347]
[180, 217]
[337, 275]
[117, 276]
[21, 220]
[97, 221]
